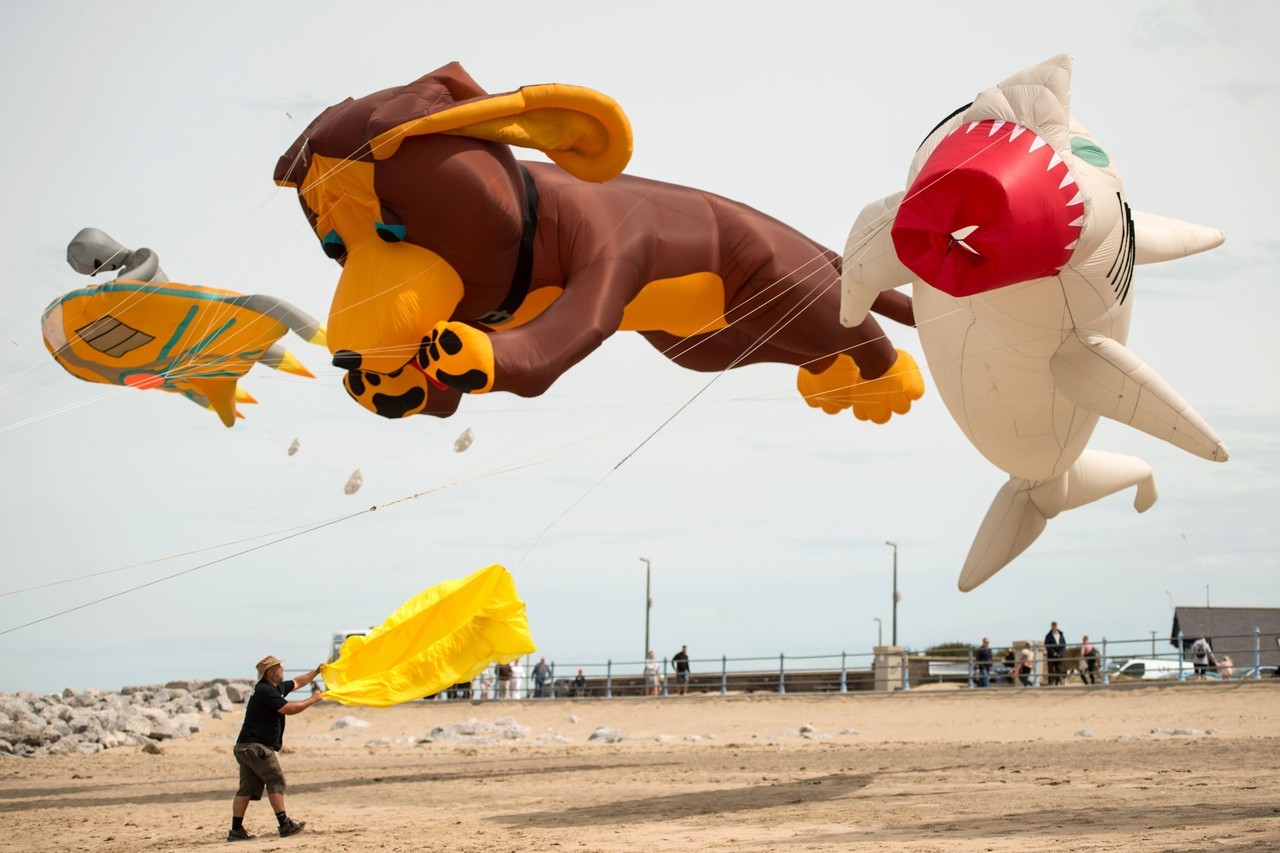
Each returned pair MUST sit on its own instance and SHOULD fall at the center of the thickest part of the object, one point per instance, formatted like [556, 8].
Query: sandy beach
[1170, 767]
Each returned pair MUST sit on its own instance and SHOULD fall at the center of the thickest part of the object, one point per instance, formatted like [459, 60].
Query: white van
[340, 637]
[1147, 669]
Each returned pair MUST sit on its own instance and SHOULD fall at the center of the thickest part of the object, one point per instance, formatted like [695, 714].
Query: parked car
[1147, 669]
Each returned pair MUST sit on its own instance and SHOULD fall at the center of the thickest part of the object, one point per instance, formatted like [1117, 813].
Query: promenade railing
[1144, 660]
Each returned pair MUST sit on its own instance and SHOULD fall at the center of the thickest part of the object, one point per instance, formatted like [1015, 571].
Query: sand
[932, 770]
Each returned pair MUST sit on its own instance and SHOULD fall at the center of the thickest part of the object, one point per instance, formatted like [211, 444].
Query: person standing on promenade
[982, 659]
[681, 661]
[261, 737]
[504, 680]
[541, 672]
[1026, 661]
[1088, 661]
[652, 675]
[1055, 646]
[1202, 657]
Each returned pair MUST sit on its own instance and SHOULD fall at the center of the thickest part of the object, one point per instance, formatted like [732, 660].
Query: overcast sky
[765, 520]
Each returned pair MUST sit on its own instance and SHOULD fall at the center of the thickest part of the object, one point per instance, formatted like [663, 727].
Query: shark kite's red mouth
[993, 206]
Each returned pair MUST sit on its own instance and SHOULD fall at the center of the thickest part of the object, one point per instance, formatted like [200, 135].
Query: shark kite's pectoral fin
[871, 264]
[243, 396]
[1158, 238]
[221, 394]
[1018, 514]
[1100, 375]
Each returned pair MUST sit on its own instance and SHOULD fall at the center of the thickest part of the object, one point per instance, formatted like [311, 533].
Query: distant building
[1229, 631]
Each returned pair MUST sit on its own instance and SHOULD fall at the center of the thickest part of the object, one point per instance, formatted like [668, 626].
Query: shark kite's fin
[871, 264]
[1021, 508]
[1159, 238]
[1100, 375]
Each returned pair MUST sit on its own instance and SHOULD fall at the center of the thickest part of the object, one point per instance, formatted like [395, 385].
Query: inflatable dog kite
[1020, 244]
[465, 271]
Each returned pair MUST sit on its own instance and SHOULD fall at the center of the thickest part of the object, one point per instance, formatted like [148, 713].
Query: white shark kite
[1019, 243]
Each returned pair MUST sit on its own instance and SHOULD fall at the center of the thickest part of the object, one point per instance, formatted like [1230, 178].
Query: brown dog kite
[465, 271]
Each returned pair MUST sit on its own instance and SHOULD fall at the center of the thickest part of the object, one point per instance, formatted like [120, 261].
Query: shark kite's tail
[1021, 508]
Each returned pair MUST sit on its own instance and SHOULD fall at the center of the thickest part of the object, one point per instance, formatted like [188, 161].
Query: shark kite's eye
[1089, 152]
[389, 233]
[333, 245]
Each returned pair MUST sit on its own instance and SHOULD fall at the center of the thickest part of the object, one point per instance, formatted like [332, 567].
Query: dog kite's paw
[841, 386]
[879, 399]
[458, 356]
[832, 389]
[393, 395]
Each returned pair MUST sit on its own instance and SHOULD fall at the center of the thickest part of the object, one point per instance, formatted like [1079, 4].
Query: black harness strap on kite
[524, 264]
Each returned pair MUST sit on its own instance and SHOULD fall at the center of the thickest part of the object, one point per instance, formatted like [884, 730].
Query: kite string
[160, 580]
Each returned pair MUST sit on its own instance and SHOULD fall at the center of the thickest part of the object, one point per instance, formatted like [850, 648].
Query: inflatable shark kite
[1019, 243]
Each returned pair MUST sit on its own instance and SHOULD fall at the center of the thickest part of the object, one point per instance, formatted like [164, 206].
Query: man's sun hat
[266, 664]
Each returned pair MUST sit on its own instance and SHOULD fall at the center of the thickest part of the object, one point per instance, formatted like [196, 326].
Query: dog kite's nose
[347, 360]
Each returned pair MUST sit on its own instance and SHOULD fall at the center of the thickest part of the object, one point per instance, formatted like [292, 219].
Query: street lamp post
[896, 597]
[879, 630]
[648, 605]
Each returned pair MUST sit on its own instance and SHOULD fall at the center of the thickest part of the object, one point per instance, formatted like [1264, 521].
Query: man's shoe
[291, 827]
[238, 835]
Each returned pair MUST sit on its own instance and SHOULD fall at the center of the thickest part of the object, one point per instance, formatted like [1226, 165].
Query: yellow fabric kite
[442, 636]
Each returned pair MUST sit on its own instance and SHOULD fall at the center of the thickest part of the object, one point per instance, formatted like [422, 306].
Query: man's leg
[288, 826]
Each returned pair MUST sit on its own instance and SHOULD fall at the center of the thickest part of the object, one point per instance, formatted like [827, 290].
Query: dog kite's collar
[524, 264]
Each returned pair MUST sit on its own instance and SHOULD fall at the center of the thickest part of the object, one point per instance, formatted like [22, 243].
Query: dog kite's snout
[345, 359]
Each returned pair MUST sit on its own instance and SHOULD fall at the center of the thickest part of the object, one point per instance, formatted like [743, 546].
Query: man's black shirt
[263, 722]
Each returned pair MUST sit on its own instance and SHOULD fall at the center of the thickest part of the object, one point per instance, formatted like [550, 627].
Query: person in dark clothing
[681, 662]
[982, 661]
[541, 673]
[504, 680]
[1011, 665]
[1055, 646]
[580, 685]
[261, 737]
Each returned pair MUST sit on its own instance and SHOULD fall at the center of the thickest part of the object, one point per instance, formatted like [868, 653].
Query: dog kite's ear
[584, 132]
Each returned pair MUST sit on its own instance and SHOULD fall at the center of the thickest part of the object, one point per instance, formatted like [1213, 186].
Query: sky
[145, 542]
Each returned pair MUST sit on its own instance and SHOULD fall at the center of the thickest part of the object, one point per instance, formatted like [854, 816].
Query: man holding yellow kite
[260, 739]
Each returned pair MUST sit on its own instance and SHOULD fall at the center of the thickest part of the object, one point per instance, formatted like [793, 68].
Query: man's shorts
[682, 678]
[259, 768]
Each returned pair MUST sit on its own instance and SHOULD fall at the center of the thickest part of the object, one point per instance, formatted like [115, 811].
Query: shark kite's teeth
[1035, 143]
[1066, 181]
[1017, 131]
[970, 128]
[1078, 199]
[1053, 161]
[995, 126]
[1079, 221]
[1071, 246]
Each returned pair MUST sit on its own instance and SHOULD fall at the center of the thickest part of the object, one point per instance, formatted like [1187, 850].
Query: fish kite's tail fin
[281, 359]
[1021, 508]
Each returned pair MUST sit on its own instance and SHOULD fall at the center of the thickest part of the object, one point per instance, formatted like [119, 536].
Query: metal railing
[1022, 663]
